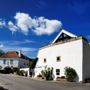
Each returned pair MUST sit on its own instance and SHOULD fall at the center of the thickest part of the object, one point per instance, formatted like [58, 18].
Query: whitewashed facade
[67, 50]
[14, 59]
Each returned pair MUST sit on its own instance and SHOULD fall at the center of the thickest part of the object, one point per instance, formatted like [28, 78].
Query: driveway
[12, 82]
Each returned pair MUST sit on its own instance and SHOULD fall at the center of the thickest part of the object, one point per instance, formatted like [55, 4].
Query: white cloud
[16, 46]
[24, 49]
[2, 23]
[39, 25]
[1, 45]
[48, 26]
[15, 43]
[24, 22]
[12, 27]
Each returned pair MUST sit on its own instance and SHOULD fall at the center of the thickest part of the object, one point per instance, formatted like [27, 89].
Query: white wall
[70, 53]
[15, 62]
[23, 63]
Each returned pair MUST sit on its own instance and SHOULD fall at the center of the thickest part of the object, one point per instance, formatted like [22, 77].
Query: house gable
[63, 35]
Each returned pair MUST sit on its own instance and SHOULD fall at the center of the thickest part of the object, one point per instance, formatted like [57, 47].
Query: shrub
[47, 73]
[15, 69]
[20, 72]
[7, 70]
[39, 75]
[62, 77]
[70, 74]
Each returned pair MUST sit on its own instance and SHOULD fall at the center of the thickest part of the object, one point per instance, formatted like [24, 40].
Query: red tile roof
[14, 54]
[11, 54]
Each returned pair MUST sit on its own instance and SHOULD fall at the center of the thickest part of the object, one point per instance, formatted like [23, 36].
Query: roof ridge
[66, 32]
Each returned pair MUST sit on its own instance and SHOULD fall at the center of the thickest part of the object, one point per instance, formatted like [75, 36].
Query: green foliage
[32, 64]
[70, 74]
[47, 73]
[8, 70]
[0, 67]
[21, 72]
[39, 75]
[62, 77]
[1, 52]
[15, 69]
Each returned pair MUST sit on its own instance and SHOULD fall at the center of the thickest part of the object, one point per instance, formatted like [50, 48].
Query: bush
[39, 75]
[7, 70]
[20, 72]
[62, 77]
[70, 74]
[15, 69]
[47, 73]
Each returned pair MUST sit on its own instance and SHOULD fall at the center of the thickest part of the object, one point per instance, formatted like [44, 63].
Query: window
[44, 60]
[57, 71]
[4, 61]
[11, 61]
[58, 59]
[24, 63]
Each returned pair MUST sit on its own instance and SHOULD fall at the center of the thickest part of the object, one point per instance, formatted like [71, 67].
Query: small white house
[14, 59]
[66, 50]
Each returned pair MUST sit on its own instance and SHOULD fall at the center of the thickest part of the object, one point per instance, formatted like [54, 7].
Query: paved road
[12, 82]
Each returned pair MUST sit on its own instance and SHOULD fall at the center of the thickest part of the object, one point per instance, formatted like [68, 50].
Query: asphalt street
[13, 82]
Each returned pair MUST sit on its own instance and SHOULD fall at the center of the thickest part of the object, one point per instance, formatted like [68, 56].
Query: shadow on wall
[1, 88]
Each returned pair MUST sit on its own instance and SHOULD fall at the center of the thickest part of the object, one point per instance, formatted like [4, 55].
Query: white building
[66, 50]
[14, 59]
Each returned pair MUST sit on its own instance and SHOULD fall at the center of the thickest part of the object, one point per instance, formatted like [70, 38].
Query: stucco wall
[86, 60]
[23, 63]
[70, 53]
[15, 62]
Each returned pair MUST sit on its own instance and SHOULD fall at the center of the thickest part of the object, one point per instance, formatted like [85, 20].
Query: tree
[1, 52]
[70, 74]
[32, 64]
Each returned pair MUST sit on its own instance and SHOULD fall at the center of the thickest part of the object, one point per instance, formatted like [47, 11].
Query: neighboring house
[66, 50]
[14, 59]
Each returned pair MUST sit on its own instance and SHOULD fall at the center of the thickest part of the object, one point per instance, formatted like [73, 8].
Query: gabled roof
[14, 54]
[64, 32]
[25, 57]
[10, 54]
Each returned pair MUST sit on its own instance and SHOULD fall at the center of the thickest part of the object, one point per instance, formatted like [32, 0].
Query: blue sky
[30, 24]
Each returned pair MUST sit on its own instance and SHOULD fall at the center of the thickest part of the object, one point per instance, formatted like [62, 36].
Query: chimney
[19, 53]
